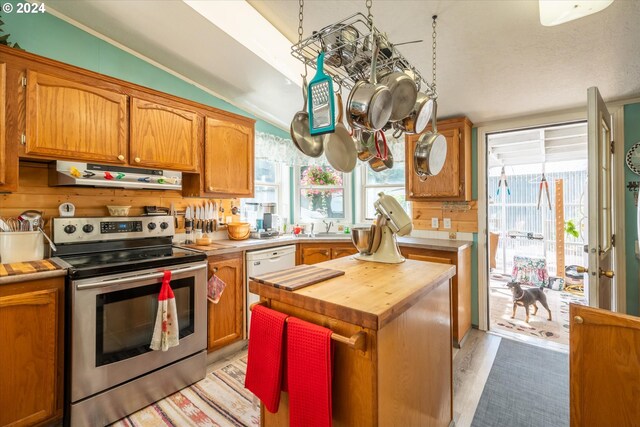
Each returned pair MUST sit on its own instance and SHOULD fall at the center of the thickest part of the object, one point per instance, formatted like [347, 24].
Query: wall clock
[633, 158]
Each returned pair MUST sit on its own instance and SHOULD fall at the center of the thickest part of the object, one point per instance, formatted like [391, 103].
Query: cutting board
[297, 277]
[18, 268]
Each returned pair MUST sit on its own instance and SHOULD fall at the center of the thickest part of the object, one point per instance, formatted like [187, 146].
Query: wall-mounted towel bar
[356, 341]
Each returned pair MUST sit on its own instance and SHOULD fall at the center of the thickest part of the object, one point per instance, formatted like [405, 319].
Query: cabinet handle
[215, 270]
[137, 160]
[210, 188]
[121, 158]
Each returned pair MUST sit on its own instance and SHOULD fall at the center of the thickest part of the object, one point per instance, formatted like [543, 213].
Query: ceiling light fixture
[556, 12]
[248, 27]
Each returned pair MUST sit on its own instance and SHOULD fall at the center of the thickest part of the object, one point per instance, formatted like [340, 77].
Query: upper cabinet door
[228, 162]
[164, 136]
[68, 119]
[454, 181]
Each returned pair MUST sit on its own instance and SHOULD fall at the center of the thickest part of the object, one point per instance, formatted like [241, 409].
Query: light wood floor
[471, 367]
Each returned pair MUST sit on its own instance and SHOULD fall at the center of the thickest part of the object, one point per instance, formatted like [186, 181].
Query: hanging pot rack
[331, 41]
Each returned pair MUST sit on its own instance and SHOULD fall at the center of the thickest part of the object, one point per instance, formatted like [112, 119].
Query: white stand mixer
[382, 245]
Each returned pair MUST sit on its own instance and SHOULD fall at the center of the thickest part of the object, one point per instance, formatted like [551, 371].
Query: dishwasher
[267, 261]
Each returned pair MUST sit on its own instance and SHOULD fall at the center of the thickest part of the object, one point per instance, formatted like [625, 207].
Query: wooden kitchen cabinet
[3, 123]
[226, 317]
[66, 118]
[460, 284]
[313, 253]
[31, 360]
[228, 157]
[164, 135]
[454, 181]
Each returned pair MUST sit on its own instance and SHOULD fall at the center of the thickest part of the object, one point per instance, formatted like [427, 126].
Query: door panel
[67, 119]
[228, 162]
[225, 317]
[29, 359]
[163, 136]
[314, 255]
[600, 287]
[604, 366]
[447, 182]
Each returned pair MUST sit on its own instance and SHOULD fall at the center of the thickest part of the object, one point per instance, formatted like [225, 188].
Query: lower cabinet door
[226, 317]
[30, 359]
[314, 255]
[339, 252]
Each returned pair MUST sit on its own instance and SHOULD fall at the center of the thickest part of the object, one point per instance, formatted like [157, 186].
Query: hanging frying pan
[431, 150]
[312, 146]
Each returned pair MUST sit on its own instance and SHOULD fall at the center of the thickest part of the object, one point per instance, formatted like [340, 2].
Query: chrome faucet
[312, 234]
[328, 225]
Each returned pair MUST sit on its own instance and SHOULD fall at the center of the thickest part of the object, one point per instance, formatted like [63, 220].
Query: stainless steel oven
[112, 310]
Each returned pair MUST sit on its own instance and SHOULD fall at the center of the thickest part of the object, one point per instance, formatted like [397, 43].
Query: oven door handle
[137, 278]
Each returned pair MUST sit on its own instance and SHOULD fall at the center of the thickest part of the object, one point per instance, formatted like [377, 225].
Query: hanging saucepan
[384, 158]
[403, 93]
[431, 150]
[340, 148]
[312, 146]
[369, 104]
[418, 119]
[365, 144]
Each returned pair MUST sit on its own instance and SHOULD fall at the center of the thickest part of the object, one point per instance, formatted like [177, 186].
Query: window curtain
[282, 150]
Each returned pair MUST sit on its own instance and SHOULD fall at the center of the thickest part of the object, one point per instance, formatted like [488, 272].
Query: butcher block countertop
[370, 294]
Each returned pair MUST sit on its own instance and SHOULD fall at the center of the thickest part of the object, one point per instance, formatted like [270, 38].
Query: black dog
[526, 298]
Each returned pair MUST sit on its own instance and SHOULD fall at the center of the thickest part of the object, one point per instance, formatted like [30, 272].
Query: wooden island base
[404, 375]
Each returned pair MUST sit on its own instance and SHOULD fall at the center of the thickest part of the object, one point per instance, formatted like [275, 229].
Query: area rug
[218, 400]
[556, 330]
[528, 386]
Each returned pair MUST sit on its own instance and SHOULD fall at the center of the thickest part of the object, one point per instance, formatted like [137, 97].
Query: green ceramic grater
[321, 106]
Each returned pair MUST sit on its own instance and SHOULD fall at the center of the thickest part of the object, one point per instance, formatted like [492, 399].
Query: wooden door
[314, 255]
[164, 136]
[228, 162]
[226, 317]
[339, 252]
[3, 122]
[30, 360]
[601, 281]
[69, 119]
[604, 366]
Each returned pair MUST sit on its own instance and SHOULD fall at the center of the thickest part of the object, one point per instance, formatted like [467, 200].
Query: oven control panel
[121, 226]
[77, 230]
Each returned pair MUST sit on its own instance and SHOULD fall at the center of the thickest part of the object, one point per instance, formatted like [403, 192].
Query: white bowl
[118, 210]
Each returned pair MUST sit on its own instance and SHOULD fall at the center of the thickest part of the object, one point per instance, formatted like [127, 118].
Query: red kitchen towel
[264, 364]
[166, 331]
[309, 366]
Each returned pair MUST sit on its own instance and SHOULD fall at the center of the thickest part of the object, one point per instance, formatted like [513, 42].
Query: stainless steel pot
[369, 105]
[403, 93]
[365, 144]
[312, 146]
[340, 44]
[431, 151]
[418, 118]
[384, 159]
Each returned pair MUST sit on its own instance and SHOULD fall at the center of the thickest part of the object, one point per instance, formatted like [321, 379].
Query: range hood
[95, 175]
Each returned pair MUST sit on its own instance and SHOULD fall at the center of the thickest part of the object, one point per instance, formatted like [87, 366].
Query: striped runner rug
[220, 399]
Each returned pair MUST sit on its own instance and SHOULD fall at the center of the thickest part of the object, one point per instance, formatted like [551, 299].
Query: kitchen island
[402, 373]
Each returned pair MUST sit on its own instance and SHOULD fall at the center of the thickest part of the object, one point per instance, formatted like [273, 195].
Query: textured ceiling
[495, 60]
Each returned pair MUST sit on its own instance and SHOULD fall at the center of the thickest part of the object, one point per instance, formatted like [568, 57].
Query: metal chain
[368, 4]
[300, 19]
[433, 47]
